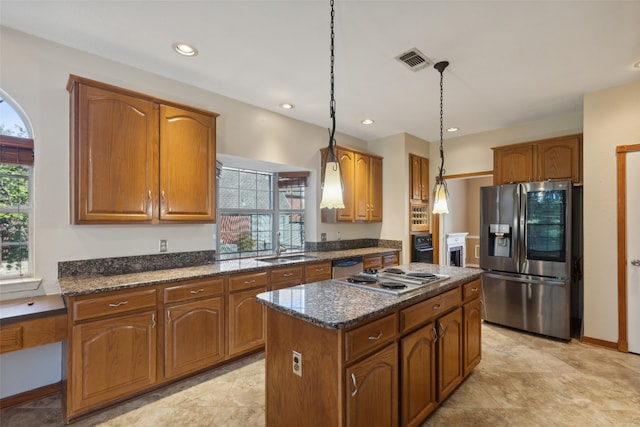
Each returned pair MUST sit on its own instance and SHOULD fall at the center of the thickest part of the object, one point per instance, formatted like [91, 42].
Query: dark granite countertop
[80, 285]
[337, 306]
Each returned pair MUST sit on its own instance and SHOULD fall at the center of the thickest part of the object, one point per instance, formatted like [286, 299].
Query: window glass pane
[11, 123]
[263, 182]
[228, 198]
[247, 199]
[291, 198]
[244, 234]
[263, 201]
[14, 220]
[248, 180]
[229, 178]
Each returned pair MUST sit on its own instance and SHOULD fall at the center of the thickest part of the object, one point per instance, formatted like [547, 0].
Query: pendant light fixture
[440, 192]
[332, 187]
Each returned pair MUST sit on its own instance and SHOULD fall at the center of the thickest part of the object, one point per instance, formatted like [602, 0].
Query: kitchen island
[338, 355]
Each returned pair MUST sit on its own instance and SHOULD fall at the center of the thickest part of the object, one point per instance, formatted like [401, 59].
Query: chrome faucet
[279, 248]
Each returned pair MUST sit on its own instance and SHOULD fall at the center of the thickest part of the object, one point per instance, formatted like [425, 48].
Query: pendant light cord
[440, 66]
[332, 102]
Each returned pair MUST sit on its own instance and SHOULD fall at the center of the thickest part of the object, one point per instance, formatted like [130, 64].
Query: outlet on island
[297, 363]
[163, 245]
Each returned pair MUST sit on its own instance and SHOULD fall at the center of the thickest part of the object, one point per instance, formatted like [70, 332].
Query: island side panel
[315, 398]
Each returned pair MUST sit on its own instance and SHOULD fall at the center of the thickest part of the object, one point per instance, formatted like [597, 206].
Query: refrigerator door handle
[540, 281]
[523, 230]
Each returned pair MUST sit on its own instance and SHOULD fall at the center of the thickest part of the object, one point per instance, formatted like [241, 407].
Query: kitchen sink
[285, 259]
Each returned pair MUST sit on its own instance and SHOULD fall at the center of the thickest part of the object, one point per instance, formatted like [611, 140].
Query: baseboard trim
[27, 396]
[600, 343]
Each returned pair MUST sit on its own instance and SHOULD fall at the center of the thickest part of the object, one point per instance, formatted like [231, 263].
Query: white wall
[611, 118]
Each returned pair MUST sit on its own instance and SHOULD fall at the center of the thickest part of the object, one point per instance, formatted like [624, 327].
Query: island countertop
[333, 305]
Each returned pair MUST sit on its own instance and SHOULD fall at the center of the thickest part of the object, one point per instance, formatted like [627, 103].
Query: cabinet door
[111, 359]
[472, 347]
[375, 189]
[113, 143]
[187, 165]
[348, 170]
[193, 336]
[372, 261]
[424, 178]
[449, 329]
[416, 182]
[513, 164]
[418, 375]
[559, 159]
[246, 321]
[361, 203]
[372, 390]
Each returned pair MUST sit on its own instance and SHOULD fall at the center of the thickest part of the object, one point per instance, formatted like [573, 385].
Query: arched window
[16, 172]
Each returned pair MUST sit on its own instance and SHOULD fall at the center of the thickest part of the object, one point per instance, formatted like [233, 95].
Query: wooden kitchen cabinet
[285, 277]
[450, 371]
[112, 349]
[138, 159]
[553, 158]
[317, 272]
[418, 375]
[246, 317]
[472, 325]
[194, 331]
[380, 260]
[372, 391]
[362, 180]
[419, 175]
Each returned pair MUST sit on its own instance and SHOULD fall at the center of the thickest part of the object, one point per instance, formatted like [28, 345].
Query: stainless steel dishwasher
[346, 267]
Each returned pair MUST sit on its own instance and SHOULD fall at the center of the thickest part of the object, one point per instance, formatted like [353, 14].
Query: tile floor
[523, 380]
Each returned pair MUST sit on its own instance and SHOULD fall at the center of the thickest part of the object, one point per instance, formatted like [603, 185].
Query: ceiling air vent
[414, 59]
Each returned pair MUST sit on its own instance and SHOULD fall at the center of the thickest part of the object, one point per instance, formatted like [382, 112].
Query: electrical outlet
[323, 237]
[163, 245]
[339, 238]
[297, 363]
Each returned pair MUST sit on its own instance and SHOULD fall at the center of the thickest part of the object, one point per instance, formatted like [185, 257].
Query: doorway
[628, 158]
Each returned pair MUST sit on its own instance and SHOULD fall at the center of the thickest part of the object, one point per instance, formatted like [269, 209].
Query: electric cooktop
[393, 281]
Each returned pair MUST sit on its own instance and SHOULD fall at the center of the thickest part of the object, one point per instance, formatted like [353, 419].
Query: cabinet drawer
[317, 272]
[471, 290]
[193, 289]
[113, 303]
[247, 281]
[372, 261]
[287, 275]
[429, 309]
[390, 259]
[370, 336]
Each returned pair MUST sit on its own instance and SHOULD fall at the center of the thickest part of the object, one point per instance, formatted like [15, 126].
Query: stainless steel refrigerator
[525, 250]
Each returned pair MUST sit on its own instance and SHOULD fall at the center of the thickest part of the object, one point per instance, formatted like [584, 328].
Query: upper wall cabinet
[137, 159]
[362, 180]
[419, 173]
[554, 158]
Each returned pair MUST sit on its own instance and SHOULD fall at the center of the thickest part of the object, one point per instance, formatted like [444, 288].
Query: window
[254, 206]
[16, 174]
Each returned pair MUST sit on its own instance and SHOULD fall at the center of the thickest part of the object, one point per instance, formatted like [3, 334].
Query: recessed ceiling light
[185, 49]
[287, 106]
[367, 122]
[453, 129]
[637, 65]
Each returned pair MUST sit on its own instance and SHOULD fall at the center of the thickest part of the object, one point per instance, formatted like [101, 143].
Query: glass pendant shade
[332, 187]
[440, 200]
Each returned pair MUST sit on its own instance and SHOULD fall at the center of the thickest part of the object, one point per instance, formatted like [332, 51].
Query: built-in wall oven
[422, 248]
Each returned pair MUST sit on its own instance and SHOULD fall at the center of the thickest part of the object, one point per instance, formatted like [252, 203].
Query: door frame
[621, 157]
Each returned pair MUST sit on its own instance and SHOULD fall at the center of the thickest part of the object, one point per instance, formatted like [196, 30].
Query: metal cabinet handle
[168, 316]
[248, 282]
[474, 289]
[436, 307]
[635, 262]
[374, 338]
[288, 274]
[355, 386]
[318, 270]
[435, 334]
[153, 319]
[197, 291]
[119, 304]
[442, 329]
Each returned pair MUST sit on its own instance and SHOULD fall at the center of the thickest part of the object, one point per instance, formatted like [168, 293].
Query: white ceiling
[511, 61]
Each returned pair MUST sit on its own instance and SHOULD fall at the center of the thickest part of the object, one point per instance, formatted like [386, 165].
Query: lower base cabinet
[450, 372]
[246, 321]
[418, 361]
[372, 394]
[194, 336]
[111, 358]
[472, 318]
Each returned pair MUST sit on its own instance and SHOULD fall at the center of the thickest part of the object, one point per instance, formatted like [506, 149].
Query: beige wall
[611, 118]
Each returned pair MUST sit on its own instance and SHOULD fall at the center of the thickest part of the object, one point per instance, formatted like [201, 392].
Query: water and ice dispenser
[500, 240]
